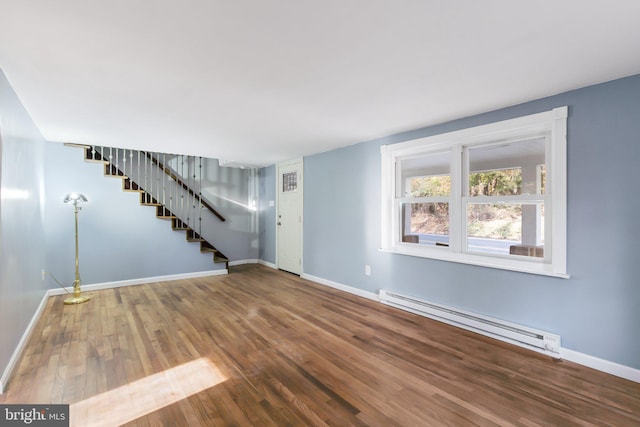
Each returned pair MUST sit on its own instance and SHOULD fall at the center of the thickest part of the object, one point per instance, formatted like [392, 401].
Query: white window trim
[552, 124]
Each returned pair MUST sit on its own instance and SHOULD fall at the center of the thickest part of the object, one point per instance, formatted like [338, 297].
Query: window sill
[479, 260]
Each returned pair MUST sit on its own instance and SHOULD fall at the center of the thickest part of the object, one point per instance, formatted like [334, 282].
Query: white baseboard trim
[243, 261]
[6, 375]
[253, 261]
[267, 264]
[142, 281]
[341, 287]
[603, 365]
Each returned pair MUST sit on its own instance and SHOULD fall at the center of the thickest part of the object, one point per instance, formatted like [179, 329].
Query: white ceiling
[256, 82]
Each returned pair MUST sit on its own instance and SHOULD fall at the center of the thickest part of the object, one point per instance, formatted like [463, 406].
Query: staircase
[169, 183]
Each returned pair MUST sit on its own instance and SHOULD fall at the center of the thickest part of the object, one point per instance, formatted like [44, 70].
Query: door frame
[301, 207]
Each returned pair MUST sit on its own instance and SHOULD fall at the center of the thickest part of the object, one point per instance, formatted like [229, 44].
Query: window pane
[425, 223]
[430, 186]
[507, 169]
[289, 181]
[507, 229]
[501, 182]
[425, 176]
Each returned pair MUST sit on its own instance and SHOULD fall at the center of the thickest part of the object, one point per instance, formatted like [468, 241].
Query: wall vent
[543, 342]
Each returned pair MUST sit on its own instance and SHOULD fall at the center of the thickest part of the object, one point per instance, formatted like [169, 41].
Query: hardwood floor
[266, 348]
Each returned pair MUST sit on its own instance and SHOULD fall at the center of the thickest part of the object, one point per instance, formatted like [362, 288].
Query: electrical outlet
[367, 270]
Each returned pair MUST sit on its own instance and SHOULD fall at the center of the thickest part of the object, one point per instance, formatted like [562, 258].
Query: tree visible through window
[505, 182]
[430, 218]
[498, 221]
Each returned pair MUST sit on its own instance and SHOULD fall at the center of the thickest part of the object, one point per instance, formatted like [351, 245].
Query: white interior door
[289, 217]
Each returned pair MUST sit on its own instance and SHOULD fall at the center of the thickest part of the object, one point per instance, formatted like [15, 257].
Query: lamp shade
[72, 197]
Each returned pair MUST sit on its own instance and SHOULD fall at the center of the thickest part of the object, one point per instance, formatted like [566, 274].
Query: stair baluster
[164, 187]
[181, 168]
[189, 184]
[146, 176]
[138, 174]
[124, 162]
[200, 198]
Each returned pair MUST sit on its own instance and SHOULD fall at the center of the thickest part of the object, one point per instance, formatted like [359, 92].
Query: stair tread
[208, 247]
[179, 225]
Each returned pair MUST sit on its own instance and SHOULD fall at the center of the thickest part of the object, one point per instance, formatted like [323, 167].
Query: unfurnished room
[306, 213]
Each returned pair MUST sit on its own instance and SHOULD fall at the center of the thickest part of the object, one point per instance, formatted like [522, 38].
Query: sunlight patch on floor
[131, 401]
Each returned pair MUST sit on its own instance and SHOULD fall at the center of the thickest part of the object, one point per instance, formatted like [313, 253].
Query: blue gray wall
[595, 311]
[233, 192]
[267, 213]
[22, 208]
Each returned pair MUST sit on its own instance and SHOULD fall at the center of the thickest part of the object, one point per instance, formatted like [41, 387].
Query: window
[289, 181]
[424, 198]
[492, 195]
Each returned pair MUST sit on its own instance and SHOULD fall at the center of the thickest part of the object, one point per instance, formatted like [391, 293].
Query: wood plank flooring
[266, 348]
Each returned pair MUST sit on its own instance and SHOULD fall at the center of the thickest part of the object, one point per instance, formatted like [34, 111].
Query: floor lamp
[77, 297]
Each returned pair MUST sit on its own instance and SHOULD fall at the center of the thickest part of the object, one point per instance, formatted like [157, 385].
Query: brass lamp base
[77, 299]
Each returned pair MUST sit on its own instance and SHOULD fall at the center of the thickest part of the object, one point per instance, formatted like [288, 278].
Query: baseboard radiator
[540, 341]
